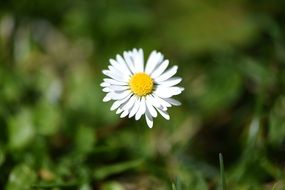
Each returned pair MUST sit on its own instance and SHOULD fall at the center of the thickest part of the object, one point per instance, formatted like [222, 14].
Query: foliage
[56, 133]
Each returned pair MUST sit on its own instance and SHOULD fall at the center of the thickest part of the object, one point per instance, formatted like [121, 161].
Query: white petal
[138, 60]
[171, 82]
[135, 108]
[169, 73]
[124, 114]
[115, 105]
[119, 72]
[106, 89]
[118, 103]
[154, 61]
[164, 114]
[116, 71]
[150, 107]
[124, 62]
[120, 66]
[133, 56]
[149, 119]
[129, 61]
[115, 82]
[172, 101]
[116, 76]
[107, 98]
[161, 101]
[154, 102]
[119, 96]
[168, 91]
[141, 109]
[149, 62]
[105, 84]
[119, 110]
[160, 69]
[118, 88]
[130, 103]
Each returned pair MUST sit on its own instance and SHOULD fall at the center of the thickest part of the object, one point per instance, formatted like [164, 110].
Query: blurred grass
[56, 133]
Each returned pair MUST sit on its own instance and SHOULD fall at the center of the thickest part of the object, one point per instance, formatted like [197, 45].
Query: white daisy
[141, 89]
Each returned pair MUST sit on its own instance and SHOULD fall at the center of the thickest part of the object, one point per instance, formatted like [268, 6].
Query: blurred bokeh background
[56, 133]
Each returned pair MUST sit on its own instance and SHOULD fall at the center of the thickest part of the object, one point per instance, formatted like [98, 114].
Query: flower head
[141, 89]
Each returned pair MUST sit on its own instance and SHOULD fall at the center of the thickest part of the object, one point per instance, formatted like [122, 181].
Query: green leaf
[85, 139]
[112, 186]
[85, 187]
[176, 185]
[2, 156]
[104, 172]
[21, 178]
[47, 117]
[277, 122]
[21, 129]
[173, 186]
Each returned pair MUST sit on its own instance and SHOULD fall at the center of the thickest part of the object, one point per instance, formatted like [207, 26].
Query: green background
[56, 133]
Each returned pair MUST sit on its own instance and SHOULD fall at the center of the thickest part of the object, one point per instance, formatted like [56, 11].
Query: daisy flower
[141, 89]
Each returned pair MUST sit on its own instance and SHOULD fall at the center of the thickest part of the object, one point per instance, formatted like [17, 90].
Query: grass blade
[222, 173]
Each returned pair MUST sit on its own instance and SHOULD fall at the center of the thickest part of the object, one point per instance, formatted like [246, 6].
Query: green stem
[222, 174]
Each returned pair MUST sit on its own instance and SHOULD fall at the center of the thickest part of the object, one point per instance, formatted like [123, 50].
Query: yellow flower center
[141, 84]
